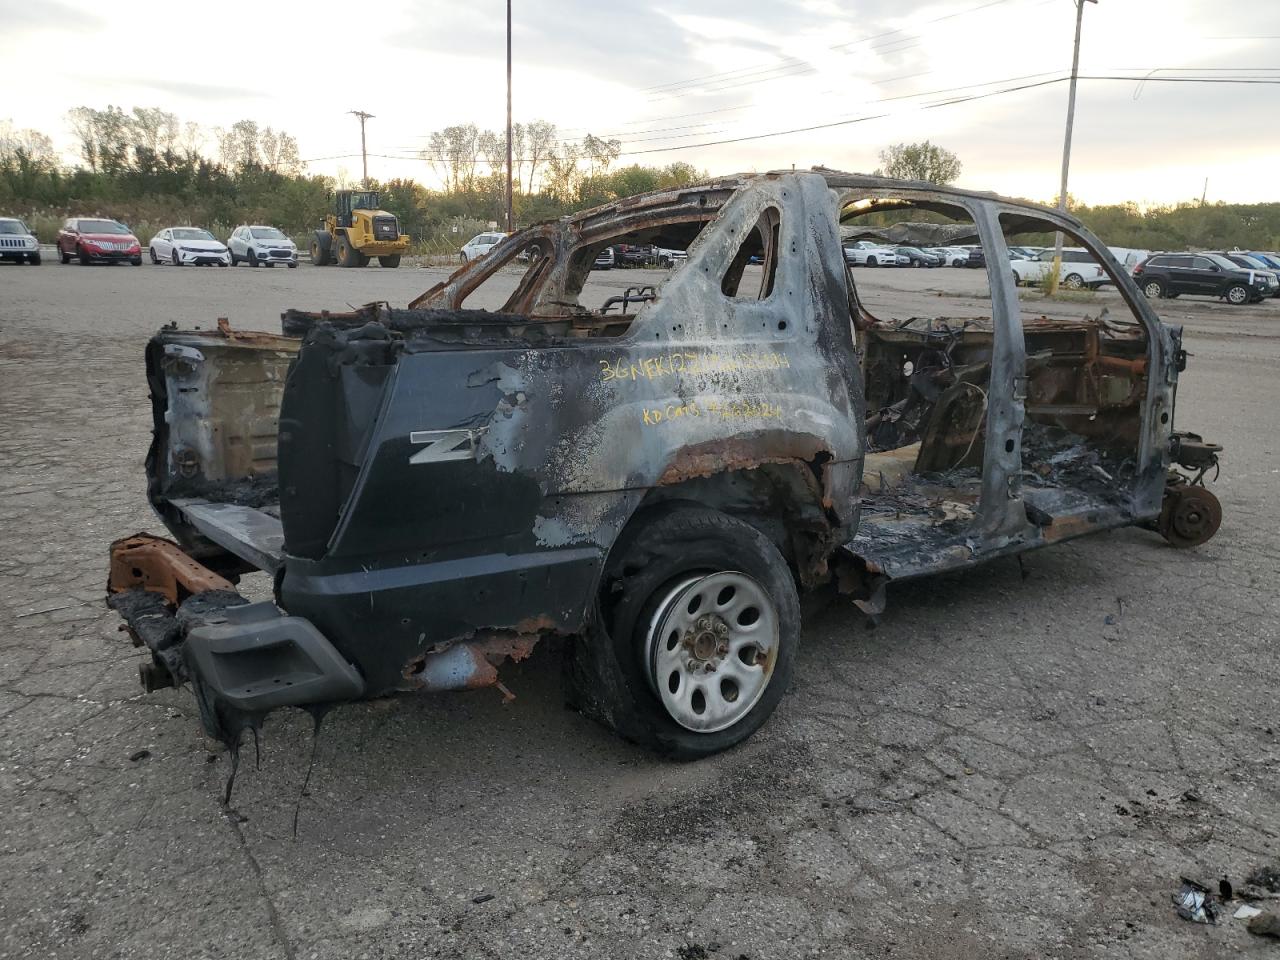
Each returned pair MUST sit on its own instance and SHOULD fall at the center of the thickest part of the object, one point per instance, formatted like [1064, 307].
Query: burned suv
[437, 488]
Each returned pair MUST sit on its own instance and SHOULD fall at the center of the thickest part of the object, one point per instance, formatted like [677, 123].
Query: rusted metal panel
[157, 565]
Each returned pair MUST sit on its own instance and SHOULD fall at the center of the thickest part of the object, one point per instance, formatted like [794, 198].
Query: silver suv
[17, 242]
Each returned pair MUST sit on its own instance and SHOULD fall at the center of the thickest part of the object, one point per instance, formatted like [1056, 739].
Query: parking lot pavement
[1003, 767]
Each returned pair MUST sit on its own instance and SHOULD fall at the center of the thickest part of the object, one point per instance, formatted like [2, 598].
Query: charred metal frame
[571, 424]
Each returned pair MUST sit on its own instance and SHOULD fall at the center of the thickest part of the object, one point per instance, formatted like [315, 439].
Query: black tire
[1073, 281]
[33, 259]
[82, 258]
[362, 260]
[462, 258]
[1238, 294]
[348, 256]
[232, 254]
[175, 259]
[320, 249]
[1017, 280]
[253, 257]
[1153, 289]
[606, 675]
[391, 260]
[292, 265]
[151, 251]
[872, 262]
[136, 261]
[65, 257]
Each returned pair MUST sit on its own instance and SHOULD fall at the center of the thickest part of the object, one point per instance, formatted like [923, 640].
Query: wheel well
[781, 500]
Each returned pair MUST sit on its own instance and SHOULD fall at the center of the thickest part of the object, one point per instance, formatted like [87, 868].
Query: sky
[673, 80]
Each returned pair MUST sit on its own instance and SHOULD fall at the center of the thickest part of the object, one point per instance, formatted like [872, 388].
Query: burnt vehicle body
[437, 488]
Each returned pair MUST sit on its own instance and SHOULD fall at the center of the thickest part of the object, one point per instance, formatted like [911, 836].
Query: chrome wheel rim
[1073, 282]
[710, 649]
[1152, 290]
[1236, 295]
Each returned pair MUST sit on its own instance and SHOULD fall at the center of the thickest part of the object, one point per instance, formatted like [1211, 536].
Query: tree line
[149, 168]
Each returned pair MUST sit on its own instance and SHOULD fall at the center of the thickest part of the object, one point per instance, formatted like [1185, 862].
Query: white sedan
[951, 256]
[479, 245]
[182, 246]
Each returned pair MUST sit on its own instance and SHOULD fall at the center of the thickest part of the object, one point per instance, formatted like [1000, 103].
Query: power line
[855, 120]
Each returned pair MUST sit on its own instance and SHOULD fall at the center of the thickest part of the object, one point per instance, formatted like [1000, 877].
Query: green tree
[920, 161]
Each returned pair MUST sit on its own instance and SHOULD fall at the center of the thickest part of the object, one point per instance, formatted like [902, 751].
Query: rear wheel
[1153, 289]
[699, 624]
[1238, 294]
[391, 260]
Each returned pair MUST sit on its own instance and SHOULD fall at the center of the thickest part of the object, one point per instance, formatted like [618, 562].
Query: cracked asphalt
[996, 770]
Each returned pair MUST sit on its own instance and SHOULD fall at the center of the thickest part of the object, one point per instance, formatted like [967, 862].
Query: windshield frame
[267, 233]
[21, 229]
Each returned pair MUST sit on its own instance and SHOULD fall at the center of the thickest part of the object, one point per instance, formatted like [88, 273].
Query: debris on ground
[139, 755]
[1266, 877]
[483, 898]
[1195, 903]
[1265, 925]
[1246, 912]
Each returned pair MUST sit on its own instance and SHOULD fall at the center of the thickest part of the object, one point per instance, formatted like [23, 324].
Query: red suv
[94, 239]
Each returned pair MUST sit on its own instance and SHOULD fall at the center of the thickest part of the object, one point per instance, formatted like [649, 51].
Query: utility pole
[1066, 146]
[511, 222]
[364, 155]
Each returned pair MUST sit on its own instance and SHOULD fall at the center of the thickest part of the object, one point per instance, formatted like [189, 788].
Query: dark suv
[1251, 261]
[1201, 274]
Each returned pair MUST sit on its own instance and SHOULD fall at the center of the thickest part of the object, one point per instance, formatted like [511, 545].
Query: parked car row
[618, 255]
[90, 240]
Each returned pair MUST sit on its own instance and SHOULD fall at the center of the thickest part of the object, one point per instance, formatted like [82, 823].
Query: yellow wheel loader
[357, 231]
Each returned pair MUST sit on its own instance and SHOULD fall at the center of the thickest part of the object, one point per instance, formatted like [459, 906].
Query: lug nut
[723, 648]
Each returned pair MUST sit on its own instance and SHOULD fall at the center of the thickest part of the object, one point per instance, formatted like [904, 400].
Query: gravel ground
[994, 771]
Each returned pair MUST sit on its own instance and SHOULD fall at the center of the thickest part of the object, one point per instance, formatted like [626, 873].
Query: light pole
[364, 156]
[1066, 146]
[511, 223]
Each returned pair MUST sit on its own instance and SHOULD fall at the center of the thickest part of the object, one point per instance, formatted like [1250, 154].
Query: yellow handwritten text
[675, 364]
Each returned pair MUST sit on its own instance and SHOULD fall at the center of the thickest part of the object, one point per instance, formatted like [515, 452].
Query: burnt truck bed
[434, 489]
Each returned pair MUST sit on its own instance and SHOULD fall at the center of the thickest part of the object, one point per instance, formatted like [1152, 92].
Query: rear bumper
[347, 636]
